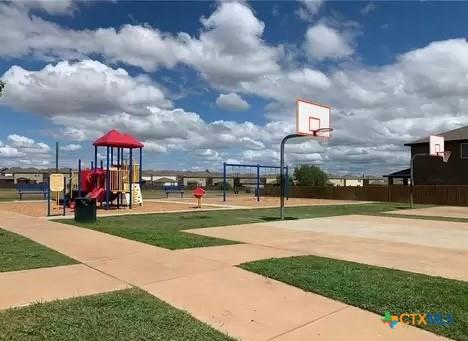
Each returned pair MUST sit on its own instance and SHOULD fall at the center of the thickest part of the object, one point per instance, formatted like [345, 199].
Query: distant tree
[220, 185]
[307, 175]
[290, 180]
[2, 86]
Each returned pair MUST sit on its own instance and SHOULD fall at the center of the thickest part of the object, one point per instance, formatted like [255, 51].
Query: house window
[464, 150]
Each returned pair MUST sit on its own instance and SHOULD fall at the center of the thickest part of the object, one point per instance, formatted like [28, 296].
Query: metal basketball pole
[224, 181]
[282, 182]
[56, 157]
[258, 183]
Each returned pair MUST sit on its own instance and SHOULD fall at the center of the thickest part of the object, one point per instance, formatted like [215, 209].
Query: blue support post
[56, 157]
[258, 183]
[131, 177]
[92, 165]
[48, 196]
[118, 166]
[112, 156]
[141, 168]
[79, 178]
[102, 161]
[224, 181]
[95, 165]
[64, 200]
[107, 179]
[71, 184]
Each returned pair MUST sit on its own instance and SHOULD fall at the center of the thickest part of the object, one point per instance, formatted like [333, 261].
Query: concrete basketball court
[436, 248]
[437, 211]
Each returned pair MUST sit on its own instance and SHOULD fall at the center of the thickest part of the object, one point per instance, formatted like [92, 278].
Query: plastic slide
[96, 193]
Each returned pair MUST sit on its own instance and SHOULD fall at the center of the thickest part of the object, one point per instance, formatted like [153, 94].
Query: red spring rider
[199, 193]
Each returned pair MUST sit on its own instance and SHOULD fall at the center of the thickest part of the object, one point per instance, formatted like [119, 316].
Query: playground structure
[257, 177]
[119, 180]
[199, 193]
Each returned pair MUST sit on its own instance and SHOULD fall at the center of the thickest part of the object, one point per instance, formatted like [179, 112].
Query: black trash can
[85, 210]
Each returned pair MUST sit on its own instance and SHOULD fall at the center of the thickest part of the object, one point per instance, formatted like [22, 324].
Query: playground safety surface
[243, 201]
[170, 205]
[242, 304]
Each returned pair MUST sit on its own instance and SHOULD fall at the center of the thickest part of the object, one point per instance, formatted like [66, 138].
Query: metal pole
[286, 190]
[258, 182]
[224, 181]
[71, 183]
[282, 184]
[141, 171]
[118, 179]
[112, 156]
[48, 196]
[131, 176]
[64, 201]
[107, 179]
[95, 166]
[79, 178]
[56, 157]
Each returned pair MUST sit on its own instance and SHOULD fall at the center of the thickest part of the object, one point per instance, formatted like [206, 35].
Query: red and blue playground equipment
[119, 179]
[116, 181]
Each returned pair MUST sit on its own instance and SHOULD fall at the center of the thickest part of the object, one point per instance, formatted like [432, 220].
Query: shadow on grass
[276, 218]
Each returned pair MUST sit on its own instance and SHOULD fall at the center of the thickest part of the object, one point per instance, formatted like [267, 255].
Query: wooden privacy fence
[452, 195]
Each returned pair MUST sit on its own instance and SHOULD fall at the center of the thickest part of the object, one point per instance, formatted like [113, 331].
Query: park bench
[174, 189]
[31, 189]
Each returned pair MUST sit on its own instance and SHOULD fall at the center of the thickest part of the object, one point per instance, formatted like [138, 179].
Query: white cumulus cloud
[85, 87]
[324, 42]
[232, 101]
[72, 147]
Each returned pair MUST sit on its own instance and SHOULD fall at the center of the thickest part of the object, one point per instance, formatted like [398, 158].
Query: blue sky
[205, 82]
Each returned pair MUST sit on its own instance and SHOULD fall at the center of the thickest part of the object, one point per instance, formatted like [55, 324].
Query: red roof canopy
[116, 139]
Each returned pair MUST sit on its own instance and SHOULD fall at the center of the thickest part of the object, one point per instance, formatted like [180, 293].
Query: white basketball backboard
[313, 119]
[436, 145]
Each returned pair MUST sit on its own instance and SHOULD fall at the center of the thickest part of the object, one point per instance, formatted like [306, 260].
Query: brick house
[429, 170]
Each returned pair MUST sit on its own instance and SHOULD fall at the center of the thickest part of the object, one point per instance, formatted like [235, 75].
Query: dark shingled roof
[451, 135]
[404, 173]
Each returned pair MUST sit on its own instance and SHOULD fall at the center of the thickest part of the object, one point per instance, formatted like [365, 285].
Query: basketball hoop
[313, 119]
[445, 155]
[320, 131]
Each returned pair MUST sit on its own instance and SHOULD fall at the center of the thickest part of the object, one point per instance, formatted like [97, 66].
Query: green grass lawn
[20, 253]
[164, 230]
[374, 288]
[129, 314]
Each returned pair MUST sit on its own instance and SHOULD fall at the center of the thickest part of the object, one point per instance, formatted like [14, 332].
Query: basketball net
[321, 135]
[445, 155]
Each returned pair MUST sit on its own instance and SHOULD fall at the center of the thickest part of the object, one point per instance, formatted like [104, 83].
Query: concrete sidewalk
[204, 282]
[24, 287]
